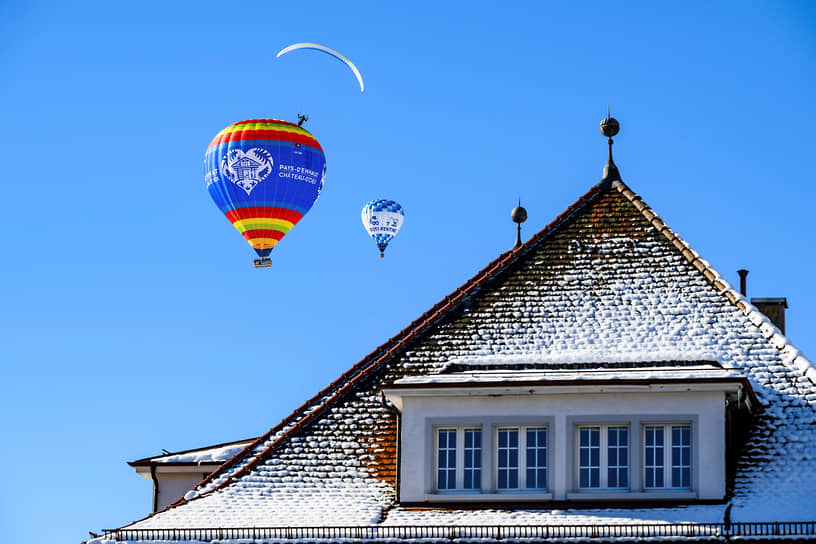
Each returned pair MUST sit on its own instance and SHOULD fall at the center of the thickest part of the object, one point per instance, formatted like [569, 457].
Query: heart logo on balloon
[246, 169]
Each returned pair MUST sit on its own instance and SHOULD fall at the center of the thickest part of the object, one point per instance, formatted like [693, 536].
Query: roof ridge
[769, 331]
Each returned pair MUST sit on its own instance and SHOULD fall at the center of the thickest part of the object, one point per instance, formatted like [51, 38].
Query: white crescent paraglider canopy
[328, 50]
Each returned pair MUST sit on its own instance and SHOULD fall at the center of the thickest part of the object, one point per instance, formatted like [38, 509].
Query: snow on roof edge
[168, 457]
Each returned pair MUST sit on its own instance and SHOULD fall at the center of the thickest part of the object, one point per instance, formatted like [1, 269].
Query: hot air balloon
[382, 219]
[328, 50]
[264, 175]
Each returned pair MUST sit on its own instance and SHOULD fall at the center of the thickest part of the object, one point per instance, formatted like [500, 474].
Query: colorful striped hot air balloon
[264, 175]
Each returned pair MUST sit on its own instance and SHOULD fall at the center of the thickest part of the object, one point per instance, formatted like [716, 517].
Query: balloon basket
[262, 263]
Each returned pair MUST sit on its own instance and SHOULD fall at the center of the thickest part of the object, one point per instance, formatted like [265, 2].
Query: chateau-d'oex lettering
[297, 173]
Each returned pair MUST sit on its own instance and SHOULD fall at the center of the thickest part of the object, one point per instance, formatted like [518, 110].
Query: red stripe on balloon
[251, 212]
[265, 134]
[263, 233]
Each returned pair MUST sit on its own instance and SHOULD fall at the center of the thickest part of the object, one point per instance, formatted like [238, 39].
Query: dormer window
[667, 446]
[518, 457]
[607, 471]
[588, 435]
[459, 459]
[522, 458]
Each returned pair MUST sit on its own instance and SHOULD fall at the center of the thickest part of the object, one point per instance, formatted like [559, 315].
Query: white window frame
[603, 479]
[522, 458]
[668, 445]
[489, 459]
[460, 458]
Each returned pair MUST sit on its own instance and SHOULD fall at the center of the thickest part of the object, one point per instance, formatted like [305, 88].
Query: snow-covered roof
[216, 454]
[584, 375]
[607, 282]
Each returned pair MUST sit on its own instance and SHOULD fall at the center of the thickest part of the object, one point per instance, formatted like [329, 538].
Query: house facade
[601, 381]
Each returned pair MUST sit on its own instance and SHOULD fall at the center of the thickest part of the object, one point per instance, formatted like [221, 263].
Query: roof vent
[743, 274]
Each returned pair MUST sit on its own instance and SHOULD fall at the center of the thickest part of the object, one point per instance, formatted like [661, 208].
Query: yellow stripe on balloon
[262, 243]
[263, 222]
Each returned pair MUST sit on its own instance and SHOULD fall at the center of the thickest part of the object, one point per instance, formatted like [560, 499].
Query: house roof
[216, 454]
[607, 281]
[701, 374]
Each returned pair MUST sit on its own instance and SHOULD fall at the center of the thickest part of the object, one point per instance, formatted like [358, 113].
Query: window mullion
[668, 443]
[603, 455]
[460, 458]
[522, 457]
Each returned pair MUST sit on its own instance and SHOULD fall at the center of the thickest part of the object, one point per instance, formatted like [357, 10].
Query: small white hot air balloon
[382, 219]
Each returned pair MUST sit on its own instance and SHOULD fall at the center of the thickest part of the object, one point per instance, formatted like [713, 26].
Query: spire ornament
[609, 128]
[518, 216]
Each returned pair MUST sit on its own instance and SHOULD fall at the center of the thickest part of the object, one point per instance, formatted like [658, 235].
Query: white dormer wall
[172, 481]
[562, 410]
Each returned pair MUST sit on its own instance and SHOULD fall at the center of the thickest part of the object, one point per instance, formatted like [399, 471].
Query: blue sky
[131, 318]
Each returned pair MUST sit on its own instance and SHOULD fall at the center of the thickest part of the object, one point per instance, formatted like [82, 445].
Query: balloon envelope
[330, 51]
[264, 175]
[382, 219]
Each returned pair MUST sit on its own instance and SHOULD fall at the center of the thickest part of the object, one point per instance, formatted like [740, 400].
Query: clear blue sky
[131, 318]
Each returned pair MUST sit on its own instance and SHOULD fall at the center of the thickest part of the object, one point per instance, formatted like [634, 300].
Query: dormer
[175, 473]
[656, 433]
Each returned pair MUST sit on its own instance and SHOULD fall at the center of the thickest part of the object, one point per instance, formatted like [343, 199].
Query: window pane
[446, 470]
[508, 459]
[473, 459]
[681, 456]
[589, 469]
[617, 473]
[537, 458]
[654, 457]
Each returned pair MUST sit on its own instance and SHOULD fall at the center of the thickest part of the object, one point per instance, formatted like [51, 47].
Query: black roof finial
[519, 216]
[609, 128]
[302, 118]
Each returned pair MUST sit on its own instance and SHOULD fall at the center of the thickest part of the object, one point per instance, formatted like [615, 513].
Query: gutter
[155, 485]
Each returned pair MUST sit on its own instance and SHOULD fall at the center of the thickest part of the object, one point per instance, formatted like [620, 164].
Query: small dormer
[175, 473]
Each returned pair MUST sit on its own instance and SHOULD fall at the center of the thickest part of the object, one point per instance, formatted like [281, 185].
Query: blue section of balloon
[296, 161]
[383, 205]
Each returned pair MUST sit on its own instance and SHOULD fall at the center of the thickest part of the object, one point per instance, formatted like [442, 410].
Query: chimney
[772, 308]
